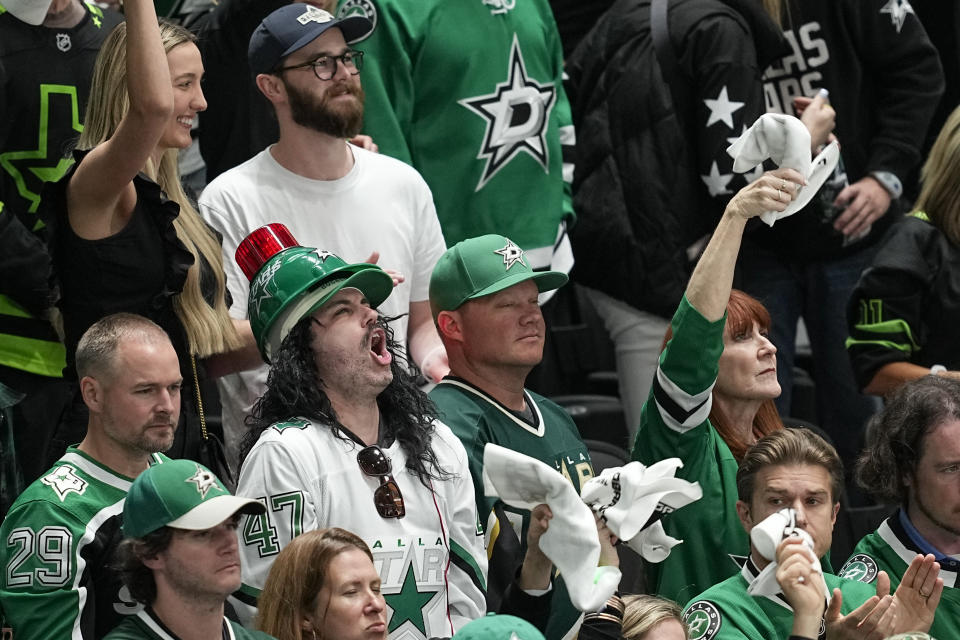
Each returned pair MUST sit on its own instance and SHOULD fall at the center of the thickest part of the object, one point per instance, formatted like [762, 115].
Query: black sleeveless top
[138, 270]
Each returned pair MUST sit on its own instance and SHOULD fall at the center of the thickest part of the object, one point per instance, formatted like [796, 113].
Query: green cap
[182, 494]
[477, 267]
[498, 627]
[289, 282]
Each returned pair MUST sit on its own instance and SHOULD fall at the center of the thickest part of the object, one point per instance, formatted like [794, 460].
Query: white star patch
[717, 182]
[517, 115]
[323, 254]
[205, 480]
[898, 10]
[64, 481]
[512, 254]
[722, 109]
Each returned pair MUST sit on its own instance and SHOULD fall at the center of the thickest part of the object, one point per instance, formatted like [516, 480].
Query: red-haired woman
[712, 398]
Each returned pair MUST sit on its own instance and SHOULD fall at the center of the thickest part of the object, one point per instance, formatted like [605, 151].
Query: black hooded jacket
[652, 172]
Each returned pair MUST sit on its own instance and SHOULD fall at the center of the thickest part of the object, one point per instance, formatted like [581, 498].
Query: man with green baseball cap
[344, 437]
[483, 294]
[180, 556]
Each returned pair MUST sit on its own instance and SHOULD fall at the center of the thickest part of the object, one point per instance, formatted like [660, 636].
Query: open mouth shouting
[378, 346]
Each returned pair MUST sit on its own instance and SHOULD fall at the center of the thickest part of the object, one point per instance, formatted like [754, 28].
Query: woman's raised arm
[100, 195]
[709, 288]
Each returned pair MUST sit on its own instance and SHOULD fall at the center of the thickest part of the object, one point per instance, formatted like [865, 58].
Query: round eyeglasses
[325, 67]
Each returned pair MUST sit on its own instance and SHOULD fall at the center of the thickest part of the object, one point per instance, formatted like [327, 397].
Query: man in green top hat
[483, 294]
[180, 556]
[344, 437]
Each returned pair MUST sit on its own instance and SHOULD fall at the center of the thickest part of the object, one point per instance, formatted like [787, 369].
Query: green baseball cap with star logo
[480, 266]
[182, 494]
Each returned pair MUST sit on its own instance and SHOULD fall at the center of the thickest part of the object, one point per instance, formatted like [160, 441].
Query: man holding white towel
[483, 295]
[796, 470]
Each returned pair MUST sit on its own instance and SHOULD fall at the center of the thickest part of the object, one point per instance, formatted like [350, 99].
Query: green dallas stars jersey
[890, 549]
[726, 612]
[476, 418]
[56, 548]
[470, 94]
[674, 424]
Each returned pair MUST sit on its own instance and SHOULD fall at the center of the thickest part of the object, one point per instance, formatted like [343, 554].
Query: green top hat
[477, 267]
[182, 494]
[289, 282]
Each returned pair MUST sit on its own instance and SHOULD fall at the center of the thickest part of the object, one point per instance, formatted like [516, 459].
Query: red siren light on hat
[261, 245]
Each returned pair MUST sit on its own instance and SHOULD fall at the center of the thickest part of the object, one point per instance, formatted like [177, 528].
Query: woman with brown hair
[323, 585]
[125, 237]
[712, 398]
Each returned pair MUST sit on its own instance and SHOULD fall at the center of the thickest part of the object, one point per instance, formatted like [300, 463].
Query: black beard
[316, 114]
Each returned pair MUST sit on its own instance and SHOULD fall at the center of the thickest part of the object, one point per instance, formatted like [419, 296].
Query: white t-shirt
[381, 205]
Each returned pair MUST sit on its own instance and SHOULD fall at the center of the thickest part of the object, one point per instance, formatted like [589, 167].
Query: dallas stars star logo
[408, 604]
[512, 254]
[703, 620]
[323, 255]
[64, 481]
[30, 168]
[205, 480]
[260, 287]
[517, 115]
[898, 10]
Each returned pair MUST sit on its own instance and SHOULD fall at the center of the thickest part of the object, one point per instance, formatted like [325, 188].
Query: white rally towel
[629, 497]
[786, 141]
[571, 540]
[765, 537]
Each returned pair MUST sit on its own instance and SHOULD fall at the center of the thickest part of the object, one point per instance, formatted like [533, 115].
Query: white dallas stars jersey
[470, 93]
[431, 561]
[56, 550]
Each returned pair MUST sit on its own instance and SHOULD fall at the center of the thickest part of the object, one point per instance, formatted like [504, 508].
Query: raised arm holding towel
[712, 397]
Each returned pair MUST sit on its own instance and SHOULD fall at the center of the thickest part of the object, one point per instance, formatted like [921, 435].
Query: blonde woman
[125, 237]
[652, 618]
[636, 617]
[323, 585]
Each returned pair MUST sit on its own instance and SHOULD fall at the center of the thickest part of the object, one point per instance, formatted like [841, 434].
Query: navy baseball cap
[293, 27]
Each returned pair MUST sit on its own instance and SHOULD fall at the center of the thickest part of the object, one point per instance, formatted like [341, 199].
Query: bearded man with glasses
[328, 192]
[343, 437]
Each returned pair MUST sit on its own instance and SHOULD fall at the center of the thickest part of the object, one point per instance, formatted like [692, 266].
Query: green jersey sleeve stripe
[462, 558]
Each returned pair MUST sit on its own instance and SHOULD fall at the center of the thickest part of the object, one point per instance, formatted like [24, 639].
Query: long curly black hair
[294, 389]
